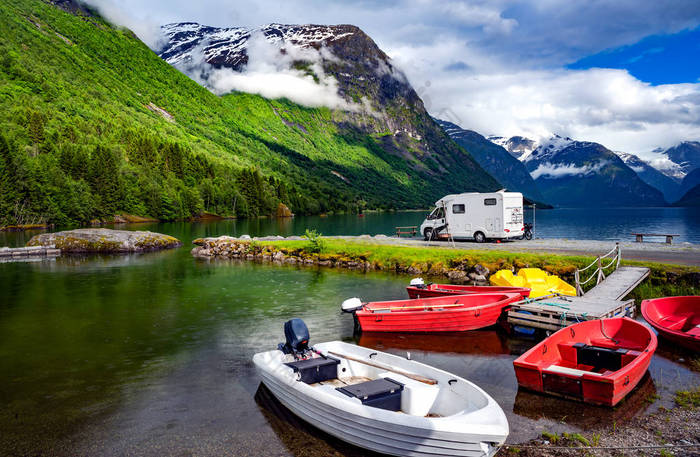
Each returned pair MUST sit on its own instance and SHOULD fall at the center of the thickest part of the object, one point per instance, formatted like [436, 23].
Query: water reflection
[300, 438]
[538, 406]
[482, 342]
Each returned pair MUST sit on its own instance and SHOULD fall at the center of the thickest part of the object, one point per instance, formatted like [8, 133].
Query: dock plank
[620, 283]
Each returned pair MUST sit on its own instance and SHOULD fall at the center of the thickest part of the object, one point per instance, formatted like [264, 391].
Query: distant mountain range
[508, 170]
[560, 162]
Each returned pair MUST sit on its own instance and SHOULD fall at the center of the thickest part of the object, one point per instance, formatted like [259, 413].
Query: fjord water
[151, 354]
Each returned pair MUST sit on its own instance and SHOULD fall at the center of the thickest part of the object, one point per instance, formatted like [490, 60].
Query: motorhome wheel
[428, 234]
[479, 237]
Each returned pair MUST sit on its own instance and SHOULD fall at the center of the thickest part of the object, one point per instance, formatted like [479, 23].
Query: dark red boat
[441, 290]
[597, 361]
[455, 313]
[676, 319]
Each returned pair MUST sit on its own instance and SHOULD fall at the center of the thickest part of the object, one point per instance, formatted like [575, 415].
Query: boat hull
[387, 432]
[677, 319]
[557, 366]
[442, 290]
[477, 311]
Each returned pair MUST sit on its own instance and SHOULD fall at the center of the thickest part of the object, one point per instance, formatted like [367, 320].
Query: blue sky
[656, 59]
[623, 73]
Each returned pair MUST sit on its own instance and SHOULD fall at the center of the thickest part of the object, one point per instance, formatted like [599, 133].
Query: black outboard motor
[297, 335]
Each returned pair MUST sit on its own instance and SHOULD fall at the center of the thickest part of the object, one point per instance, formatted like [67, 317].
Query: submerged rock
[105, 240]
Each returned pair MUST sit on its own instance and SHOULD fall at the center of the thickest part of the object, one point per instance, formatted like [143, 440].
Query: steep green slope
[97, 124]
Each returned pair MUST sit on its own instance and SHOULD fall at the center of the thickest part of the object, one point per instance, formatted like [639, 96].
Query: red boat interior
[593, 353]
[439, 304]
[680, 314]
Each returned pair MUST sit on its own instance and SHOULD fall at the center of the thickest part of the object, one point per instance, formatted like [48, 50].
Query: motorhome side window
[489, 201]
[458, 209]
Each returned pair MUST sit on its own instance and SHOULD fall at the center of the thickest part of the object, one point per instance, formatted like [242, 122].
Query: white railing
[615, 256]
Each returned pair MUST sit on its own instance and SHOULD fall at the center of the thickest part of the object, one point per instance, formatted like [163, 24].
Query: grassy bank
[451, 264]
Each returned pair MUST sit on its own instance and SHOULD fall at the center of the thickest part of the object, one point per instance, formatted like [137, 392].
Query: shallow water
[151, 354]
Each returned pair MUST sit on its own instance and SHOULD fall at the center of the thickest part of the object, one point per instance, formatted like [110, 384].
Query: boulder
[284, 211]
[477, 277]
[481, 270]
[105, 240]
[456, 275]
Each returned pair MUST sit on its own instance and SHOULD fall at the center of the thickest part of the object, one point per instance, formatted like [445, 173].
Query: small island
[102, 240]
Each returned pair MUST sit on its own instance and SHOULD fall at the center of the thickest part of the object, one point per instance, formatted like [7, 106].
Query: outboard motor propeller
[296, 334]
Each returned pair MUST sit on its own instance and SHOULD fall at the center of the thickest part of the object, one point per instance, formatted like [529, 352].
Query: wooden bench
[640, 236]
[409, 230]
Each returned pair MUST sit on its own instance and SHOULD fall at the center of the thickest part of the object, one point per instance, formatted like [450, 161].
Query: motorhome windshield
[437, 213]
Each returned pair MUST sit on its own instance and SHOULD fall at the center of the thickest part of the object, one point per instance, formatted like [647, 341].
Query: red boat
[597, 361]
[441, 290]
[676, 319]
[455, 313]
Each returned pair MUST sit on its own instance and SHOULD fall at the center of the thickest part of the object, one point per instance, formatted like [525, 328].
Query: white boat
[430, 412]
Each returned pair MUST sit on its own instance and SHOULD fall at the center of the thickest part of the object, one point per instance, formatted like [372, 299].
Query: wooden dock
[555, 313]
[604, 300]
[618, 284]
[28, 253]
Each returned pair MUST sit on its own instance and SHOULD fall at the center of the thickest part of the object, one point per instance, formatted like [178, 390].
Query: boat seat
[570, 371]
[599, 357]
[673, 322]
[695, 331]
[417, 397]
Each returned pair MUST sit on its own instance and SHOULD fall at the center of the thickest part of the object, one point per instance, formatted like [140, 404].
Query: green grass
[551, 437]
[688, 398]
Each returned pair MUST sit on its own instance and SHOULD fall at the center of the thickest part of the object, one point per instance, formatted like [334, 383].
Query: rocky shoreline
[101, 240]
[246, 248]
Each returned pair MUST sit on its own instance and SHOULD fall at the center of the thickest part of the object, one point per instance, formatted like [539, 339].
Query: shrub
[316, 243]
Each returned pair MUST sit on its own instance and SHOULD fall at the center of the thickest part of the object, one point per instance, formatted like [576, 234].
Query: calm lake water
[151, 354]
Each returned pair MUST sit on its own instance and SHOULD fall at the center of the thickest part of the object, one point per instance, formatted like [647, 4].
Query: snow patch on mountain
[667, 166]
[274, 61]
[517, 146]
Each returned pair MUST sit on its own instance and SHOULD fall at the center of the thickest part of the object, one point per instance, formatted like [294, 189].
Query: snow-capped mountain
[228, 46]
[583, 173]
[375, 97]
[676, 162]
[495, 159]
[650, 175]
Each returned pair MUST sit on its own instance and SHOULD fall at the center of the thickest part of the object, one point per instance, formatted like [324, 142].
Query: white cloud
[558, 171]
[610, 107]
[270, 73]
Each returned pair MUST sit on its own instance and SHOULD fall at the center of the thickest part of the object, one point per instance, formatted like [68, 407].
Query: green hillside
[94, 123]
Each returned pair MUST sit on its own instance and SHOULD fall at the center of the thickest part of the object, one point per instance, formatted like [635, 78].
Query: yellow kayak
[540, 282]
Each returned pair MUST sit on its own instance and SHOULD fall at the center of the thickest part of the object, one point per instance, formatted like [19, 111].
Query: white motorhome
[495, 215]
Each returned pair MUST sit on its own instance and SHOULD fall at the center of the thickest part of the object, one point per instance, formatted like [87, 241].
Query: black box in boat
[315, 370]
[382, 393]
